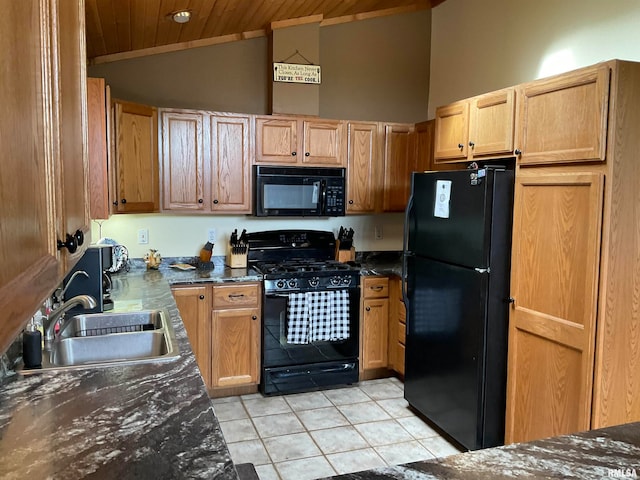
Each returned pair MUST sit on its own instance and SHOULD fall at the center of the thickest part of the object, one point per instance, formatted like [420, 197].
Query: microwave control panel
[335, 195]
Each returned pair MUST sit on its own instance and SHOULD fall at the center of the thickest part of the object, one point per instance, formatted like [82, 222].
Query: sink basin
[114, 338]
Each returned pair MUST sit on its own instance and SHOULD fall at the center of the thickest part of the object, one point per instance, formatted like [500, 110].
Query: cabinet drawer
[375, 287]
[230, 296]
[402, 333]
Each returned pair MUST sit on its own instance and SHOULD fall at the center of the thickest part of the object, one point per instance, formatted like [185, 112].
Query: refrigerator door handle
[483, 270]
[405, 251]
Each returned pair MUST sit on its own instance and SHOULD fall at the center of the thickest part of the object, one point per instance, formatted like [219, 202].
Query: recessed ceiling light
[182, 16]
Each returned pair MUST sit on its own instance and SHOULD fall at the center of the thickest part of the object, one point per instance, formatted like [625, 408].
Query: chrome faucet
[87, 301]
[59, 293]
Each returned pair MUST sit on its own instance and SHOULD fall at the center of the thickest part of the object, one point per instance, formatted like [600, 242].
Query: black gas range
[300, 273]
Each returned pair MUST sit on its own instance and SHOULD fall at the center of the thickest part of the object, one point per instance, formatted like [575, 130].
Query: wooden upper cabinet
[399, 162]
[98, 100]
[452, 131]
[564, 118]
[491, 124]
[136, 165]
[323, 143]
[70, 112]
[476, 128]
[276, 140]
[183, 165]
[364, 168]
[230, 163]
[552, 325]
[28, 255]
[300, 141]
[424, 145]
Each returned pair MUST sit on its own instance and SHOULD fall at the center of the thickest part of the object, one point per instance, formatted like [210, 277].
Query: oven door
[289, 196]
[277, 352]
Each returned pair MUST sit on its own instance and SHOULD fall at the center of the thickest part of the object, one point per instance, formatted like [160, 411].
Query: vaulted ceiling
[126, 28]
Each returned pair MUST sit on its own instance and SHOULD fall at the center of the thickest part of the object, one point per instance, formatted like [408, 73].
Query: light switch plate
[211, 235]
[143, 236]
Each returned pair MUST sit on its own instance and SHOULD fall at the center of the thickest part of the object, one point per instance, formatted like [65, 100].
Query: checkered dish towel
[340, 315]
[297, 319]
[319, 304]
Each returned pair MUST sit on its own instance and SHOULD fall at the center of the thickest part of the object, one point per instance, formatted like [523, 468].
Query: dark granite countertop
[612, 452]
[152, 420]
[380, 263]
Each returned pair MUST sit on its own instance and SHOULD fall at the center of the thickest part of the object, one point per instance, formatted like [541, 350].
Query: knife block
[345, 255]
[237, 260]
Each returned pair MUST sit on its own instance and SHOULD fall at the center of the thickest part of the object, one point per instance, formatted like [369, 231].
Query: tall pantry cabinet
[574, 328]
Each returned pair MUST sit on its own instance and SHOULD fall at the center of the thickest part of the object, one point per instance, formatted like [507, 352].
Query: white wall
[480, 46]
[181, 235]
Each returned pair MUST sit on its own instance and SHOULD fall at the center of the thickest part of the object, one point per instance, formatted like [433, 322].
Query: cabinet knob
[201, 297]
[123, 201]
[471, 144]
[215, 202]
[511, 300]
[115, 203]
[70, 243]
[254, 317]
[294, 153]
[306, 154]
[350, 202]
[368, 309]
[79, 235]
[518, 151]
[200, 200]
[460, 146]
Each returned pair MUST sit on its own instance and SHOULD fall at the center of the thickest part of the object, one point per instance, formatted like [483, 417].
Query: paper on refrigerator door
[443, 195]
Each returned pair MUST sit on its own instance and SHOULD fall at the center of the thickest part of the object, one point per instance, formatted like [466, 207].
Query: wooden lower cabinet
[397, 326]
[223, 325]
[194, 304]
[374, 321]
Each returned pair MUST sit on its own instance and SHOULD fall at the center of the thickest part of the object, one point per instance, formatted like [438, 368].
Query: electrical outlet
[143, 236]
[378, 232]
[211, 235]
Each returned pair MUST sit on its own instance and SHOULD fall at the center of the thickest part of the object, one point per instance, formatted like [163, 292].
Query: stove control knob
[335, 281]
[293, 283]
[314, 282]
[346, 280]
[280, 284]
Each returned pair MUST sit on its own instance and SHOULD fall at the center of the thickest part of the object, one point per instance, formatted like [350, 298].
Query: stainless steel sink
[102, 339]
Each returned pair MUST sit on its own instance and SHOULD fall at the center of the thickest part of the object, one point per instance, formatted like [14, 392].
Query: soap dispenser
[32, 346]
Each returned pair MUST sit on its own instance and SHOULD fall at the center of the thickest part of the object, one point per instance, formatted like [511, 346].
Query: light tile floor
[319, 434]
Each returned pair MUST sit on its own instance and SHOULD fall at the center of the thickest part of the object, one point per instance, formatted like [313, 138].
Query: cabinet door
[399, 161]
[136, 158]
[554, 281]
[491, 122]
[194, 305]
[98, 148]
[452, 132]
[424, 145]
[323, 143]
[183, 167]
[564, 119]
[27, 240]
[375, 318]
[230, 164]
[70, 110]
[276, 140]
[235, 339]
[364, 168]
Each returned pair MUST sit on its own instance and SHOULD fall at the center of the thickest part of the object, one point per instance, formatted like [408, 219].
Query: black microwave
[298, 191]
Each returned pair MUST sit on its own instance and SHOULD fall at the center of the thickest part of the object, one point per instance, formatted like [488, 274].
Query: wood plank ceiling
[119, 29]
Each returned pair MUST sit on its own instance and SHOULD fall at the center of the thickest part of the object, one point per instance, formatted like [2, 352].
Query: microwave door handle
[323, 188]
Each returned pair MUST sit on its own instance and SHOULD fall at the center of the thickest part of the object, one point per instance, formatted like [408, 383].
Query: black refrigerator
[457, 249]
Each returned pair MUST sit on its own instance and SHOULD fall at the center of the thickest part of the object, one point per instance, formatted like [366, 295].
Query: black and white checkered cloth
[340, 315]
[318, 317]
[297, 319]
[319, 304]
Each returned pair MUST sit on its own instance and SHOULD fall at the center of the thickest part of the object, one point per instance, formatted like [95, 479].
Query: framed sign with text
[296, 73]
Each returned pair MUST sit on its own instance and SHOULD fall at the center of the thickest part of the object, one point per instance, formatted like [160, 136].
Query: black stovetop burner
[302, 266]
